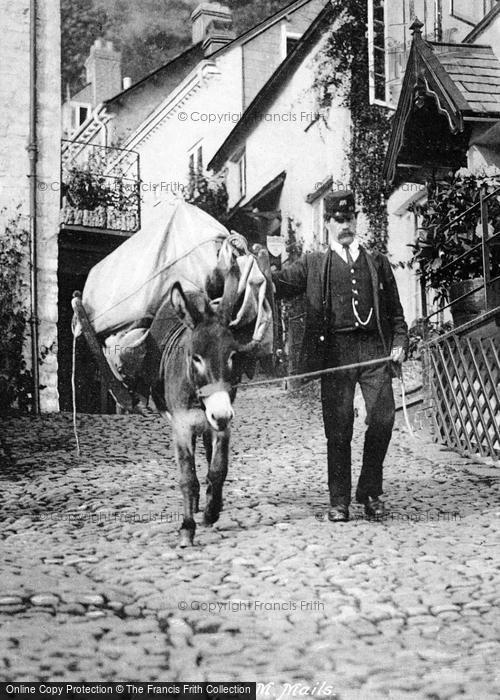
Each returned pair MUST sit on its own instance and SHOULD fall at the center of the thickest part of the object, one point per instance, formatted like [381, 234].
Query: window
[389, 42]
[389, 37]
[378, 68]
[320, 233]
[195, 162]
[83, 114]
[242, 175]
[289, 40]
[79, 114]
[471, 11]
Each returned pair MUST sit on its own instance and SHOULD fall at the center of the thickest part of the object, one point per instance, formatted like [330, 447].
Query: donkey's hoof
[210, 516]
[186, 538]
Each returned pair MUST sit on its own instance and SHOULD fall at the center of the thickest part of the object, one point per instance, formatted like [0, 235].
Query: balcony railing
[100, 187]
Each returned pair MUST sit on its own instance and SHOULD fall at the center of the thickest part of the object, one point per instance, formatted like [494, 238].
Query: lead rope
[342, 368]
[73, 392]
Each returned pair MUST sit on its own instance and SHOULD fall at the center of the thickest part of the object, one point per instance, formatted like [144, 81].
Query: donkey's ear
[190, 308]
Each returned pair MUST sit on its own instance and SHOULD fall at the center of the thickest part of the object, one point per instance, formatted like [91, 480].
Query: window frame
[487, 7]
[241, 164]
[285, 35]
[75, 108]
[371, 58]
[320, 236]
[195, 158]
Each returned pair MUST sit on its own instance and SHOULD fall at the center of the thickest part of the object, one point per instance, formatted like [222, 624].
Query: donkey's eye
[198, 361]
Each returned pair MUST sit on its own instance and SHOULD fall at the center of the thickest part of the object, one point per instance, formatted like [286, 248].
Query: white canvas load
[131, 283]
[126, 289]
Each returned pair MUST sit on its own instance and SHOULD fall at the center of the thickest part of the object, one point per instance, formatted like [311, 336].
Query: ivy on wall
[207, 193]
[15, 379]
[342, 68]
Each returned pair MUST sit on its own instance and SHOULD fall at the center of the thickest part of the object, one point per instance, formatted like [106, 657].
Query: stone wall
[14, 160]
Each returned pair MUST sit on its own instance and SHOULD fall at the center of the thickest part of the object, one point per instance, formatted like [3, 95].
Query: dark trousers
[337, 398]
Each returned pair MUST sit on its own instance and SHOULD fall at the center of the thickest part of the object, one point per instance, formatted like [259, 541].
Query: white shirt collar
[340, 250]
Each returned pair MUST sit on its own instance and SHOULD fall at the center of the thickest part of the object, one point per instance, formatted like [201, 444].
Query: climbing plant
[293, 245]
[207, 193]
[341, 68]
[15, 379]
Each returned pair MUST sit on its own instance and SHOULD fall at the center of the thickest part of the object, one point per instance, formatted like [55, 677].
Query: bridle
[207, 390]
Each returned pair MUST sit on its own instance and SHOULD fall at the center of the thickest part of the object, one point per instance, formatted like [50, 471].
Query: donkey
[200, 362]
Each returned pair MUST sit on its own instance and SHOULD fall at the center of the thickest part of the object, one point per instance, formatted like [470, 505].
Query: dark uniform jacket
[310, 275]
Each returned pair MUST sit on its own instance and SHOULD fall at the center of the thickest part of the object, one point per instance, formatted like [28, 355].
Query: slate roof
[475, 70]
[83, 95]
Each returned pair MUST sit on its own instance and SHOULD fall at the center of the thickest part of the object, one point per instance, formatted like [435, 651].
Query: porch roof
[461, 80]
[475, 70]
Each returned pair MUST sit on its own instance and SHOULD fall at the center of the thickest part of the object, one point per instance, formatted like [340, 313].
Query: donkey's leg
[216, 476]
[190, 487]
[207, 442]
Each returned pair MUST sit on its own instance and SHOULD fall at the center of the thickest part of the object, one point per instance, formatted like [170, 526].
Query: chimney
[212, 25]
[103, 68]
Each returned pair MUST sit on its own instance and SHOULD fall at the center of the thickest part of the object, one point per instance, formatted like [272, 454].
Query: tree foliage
[148, 33]
[81, 25]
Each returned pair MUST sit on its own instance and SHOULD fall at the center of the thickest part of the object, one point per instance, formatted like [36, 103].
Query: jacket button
[322, 337]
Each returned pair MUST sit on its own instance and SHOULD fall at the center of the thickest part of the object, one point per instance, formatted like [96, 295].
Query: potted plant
[443, 252]
[86, 196]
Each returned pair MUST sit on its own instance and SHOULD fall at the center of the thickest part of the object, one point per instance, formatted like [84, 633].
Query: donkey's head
[213, 355]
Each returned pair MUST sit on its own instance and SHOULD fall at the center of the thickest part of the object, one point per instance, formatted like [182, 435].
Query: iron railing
[490, 281]
[100, 187]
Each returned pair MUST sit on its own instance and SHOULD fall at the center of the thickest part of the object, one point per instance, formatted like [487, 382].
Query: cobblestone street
[94, 588]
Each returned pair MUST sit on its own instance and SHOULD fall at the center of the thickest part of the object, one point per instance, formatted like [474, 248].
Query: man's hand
[398, 355]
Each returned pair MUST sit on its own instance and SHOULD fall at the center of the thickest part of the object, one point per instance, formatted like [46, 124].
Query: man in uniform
[353, 315]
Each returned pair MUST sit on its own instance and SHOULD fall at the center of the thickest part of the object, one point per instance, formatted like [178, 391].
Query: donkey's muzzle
[218, 410]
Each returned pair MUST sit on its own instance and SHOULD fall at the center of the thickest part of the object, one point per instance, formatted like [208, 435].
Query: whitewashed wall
[288, 138]
[216, 95]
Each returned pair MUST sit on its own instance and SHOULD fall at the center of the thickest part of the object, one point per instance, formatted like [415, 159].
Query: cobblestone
[94, 587]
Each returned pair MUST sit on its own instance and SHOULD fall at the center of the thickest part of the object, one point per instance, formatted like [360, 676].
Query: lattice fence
[465, 386]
